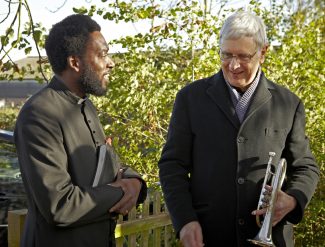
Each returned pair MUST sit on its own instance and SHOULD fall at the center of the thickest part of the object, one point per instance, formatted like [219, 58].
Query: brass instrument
[264, 236]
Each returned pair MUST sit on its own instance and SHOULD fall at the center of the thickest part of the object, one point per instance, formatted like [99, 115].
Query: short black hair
[68, 37]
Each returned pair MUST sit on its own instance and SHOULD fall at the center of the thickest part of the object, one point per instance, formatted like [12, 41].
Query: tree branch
[18, 14]
[58, 8]
[36, 45]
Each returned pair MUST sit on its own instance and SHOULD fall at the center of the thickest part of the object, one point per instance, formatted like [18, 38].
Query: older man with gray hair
[221, 131]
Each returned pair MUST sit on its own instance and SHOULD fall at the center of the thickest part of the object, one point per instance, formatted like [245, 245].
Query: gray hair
[244, 24]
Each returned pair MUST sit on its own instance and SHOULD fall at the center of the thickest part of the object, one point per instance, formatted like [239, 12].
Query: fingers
[119, 174]
[124, 205]
[131, 188]
[264, 202]
[191, 235]
[267, 193]
[283, 205]
[259, 212]
[109, 141]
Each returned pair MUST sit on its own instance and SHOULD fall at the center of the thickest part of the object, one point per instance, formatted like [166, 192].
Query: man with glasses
[221, 131]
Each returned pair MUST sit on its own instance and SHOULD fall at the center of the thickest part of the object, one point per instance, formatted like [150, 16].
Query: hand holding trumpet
[283, 205]
[273, 203]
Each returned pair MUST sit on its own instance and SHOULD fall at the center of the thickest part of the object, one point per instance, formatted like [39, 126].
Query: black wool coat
[212, 167]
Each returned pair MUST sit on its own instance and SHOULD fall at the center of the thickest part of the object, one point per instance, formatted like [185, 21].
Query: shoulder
[281, 93]
[199, 86]
[44, 104]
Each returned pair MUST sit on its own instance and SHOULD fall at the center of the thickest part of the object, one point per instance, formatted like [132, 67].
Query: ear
[263, 53]
[74, 63]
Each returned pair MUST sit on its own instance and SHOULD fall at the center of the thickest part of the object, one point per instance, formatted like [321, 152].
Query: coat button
[241, 180]
[241, 139]
[241, 222]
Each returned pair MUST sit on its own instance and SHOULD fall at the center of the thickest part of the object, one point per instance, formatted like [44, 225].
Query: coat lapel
[220, 95]
[261, 96]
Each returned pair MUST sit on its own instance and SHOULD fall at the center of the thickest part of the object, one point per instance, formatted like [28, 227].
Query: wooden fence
[149, 225]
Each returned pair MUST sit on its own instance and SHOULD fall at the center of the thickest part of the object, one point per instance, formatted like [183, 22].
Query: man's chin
[100, 92]
[96, 91]
[235, 82]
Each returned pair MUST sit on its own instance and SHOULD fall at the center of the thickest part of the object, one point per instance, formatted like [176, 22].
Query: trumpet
[264, 236]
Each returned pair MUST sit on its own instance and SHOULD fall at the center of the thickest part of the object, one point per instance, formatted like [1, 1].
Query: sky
[49, 12]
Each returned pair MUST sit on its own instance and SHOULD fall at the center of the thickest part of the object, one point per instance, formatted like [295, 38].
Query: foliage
[299, 65]
[8, 118]
[7, 150]
[181, 46]
[310, 232]
[17, 36]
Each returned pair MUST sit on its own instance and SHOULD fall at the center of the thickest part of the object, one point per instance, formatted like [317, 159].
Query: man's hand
[284, 204]
[109, 140]
[131, 188]
[191, 235]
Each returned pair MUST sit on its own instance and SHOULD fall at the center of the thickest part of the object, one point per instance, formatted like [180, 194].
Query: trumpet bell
[267, 242]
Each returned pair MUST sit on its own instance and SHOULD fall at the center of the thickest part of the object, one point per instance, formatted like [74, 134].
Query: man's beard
[90, 82]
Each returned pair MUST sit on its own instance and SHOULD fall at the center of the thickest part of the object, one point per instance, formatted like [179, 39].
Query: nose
[234, 64]
[110, 63]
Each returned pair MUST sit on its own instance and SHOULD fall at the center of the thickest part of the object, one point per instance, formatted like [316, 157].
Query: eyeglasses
[241, 58]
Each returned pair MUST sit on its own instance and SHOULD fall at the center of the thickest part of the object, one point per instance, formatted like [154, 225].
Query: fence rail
[149, 225]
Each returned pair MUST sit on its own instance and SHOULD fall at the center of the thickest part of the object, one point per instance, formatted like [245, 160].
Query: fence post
[16, 220]
[132, 238]
[145, 213]
[156, 211]
[168, 231]
[119, 240]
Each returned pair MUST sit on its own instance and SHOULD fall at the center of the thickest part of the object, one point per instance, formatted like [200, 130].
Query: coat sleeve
[175, 165]
[302, 172]
[44, 164]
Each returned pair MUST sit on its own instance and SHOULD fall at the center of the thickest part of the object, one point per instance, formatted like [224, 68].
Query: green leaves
[298, 64]
[81, 10]
[181, 45]
[20, 36]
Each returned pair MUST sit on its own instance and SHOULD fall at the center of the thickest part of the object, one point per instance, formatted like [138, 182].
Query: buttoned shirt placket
[89, 116]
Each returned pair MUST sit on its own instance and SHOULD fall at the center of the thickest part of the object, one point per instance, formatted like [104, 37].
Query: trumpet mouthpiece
[272, 154]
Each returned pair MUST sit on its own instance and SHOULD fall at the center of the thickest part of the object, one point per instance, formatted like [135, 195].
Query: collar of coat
[219, 93]
[58, 85]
